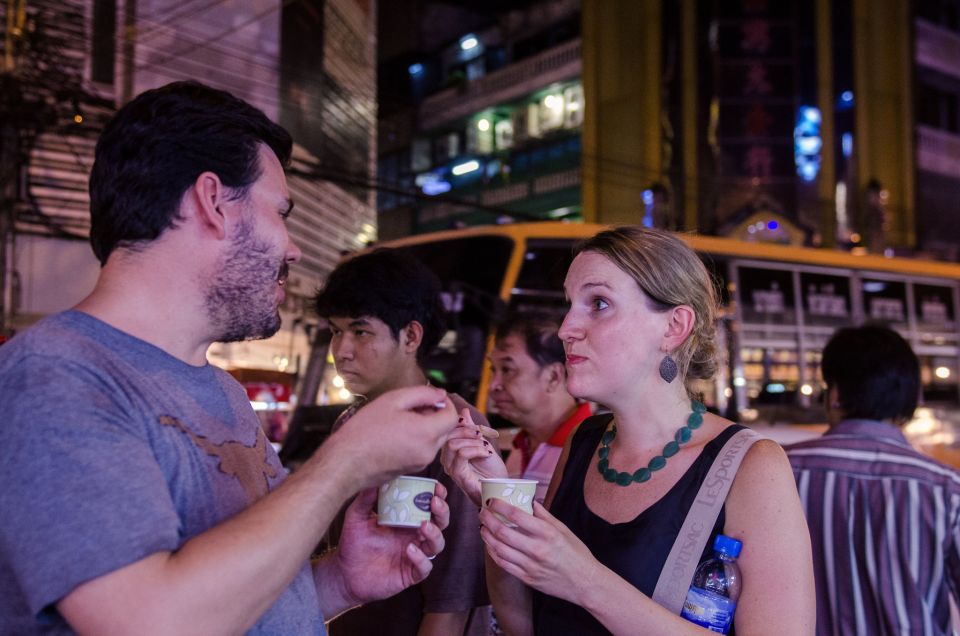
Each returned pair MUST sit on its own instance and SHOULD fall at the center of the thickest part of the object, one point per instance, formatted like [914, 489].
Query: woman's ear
[680, 325]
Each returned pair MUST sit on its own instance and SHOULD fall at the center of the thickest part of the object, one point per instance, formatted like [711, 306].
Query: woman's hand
[540, 551]
[467, 457]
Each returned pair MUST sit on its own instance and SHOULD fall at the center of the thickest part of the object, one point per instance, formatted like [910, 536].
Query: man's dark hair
[876, 373]
[388, 284]
[539, 334]
[157, 145]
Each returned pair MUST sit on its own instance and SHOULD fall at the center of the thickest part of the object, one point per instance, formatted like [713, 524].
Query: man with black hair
[884, 519]
[384, 312]
[139, 492]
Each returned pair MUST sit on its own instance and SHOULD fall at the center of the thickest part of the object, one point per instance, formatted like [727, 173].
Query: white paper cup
[404, 502]
[516, 492]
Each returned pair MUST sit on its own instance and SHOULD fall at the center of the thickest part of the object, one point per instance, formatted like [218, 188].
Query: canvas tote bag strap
[682, 562]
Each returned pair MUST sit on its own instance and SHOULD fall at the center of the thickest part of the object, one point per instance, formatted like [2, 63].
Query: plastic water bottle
[712, 599]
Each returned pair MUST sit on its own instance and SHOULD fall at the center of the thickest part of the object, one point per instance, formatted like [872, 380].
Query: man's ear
[206, 198]
[556, 376]
[411, 336]
[679, 327]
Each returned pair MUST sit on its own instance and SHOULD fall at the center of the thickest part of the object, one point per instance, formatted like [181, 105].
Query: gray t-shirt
[114, 450]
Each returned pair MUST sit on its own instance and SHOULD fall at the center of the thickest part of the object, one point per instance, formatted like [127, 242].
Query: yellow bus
[780, 304]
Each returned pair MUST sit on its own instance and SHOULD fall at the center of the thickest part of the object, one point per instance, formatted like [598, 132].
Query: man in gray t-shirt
[139, 492]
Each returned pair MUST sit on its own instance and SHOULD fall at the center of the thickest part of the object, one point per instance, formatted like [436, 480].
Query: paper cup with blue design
[404, 502]
[516, 492]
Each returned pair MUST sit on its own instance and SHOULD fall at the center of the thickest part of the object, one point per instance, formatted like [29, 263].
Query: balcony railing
[938, 151]
[509, 83]
[937, 48]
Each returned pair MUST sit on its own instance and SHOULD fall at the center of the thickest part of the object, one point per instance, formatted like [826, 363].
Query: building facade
[829, 123]
[481, 114]
[309, 65]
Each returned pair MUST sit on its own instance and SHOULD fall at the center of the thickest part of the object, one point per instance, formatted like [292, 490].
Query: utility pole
[40, 88]
[9, 155]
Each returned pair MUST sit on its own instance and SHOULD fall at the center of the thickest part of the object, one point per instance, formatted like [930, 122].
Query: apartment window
[446, 147]
[503, 131]
[420, 158]
[104, 34]
[938, 108]
[476, 69]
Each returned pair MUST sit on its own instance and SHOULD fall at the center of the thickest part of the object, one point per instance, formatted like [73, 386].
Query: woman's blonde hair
[669, 273]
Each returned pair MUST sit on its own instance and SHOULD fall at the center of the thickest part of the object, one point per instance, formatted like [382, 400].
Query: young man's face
[368, 357]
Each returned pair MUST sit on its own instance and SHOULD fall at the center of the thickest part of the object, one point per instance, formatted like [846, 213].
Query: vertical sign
[755, 61]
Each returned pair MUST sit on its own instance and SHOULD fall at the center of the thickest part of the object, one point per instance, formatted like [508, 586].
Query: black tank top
[636, 550]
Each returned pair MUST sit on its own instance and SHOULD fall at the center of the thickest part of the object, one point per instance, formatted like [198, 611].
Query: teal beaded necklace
[644, 474]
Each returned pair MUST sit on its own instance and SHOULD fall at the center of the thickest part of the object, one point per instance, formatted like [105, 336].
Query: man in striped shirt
[884, 519]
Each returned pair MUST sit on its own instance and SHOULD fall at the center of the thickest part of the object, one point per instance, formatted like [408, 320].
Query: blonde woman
[640, 325]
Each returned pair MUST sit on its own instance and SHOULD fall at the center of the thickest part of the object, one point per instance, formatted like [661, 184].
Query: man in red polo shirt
[529, 389]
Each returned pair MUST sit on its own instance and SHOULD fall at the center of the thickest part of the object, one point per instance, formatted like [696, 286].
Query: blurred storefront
[309, 65]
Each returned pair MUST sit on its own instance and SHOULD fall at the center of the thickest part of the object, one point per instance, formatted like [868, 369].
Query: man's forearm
[224, 579]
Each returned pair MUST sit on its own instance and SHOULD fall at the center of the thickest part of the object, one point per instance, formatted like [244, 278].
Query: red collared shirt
[539, 465]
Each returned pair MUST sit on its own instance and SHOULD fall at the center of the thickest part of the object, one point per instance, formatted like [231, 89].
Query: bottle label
[708, 609]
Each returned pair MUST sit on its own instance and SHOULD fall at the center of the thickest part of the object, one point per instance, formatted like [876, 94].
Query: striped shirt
[885, 527]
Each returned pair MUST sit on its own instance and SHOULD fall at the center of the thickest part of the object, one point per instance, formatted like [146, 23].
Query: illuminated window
[573, 98]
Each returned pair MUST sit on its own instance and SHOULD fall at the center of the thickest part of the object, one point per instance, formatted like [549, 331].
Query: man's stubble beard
[241, 301]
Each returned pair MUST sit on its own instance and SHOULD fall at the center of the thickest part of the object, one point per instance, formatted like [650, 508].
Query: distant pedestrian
[884, 519]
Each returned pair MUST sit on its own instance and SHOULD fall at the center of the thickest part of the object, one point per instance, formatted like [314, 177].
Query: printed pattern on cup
[395, 510]
[515, 495]
[516, 492]
[404, 502]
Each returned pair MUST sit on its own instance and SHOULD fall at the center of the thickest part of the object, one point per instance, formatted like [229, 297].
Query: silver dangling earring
[668, 369]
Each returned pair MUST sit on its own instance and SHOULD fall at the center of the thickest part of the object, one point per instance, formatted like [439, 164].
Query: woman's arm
[544, 554]
[509, 595]
[763, 511]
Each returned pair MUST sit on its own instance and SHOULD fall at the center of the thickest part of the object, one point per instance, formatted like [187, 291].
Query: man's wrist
[332, 587]
[335, 463]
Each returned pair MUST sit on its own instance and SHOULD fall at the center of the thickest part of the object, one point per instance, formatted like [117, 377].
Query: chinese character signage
[756, 84]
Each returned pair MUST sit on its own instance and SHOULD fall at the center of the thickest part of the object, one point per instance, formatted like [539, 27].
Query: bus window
[545, 264]
[936, 314]
[766, 296]
[539, 285]
[826, 299]
[471, 272]
[885, 301]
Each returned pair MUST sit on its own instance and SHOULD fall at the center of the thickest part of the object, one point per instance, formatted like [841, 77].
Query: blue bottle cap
[727, 545]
